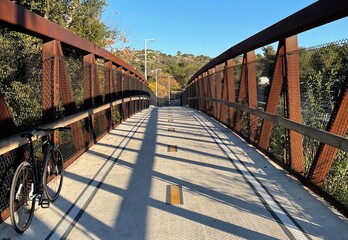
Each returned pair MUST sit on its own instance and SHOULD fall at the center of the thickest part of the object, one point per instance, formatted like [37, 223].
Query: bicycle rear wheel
[53, 174]
[21, 204]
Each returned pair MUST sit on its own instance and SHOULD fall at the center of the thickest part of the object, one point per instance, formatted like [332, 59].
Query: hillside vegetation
[179, 67]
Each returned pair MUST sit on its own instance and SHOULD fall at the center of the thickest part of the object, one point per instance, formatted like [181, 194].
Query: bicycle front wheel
[22, 201]
[53, 174]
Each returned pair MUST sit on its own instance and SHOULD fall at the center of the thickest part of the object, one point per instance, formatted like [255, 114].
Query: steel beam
[315, 15]
[22, 20]
[316, 134]
[273, 97]
[218, 90]
[252, 94]
[294, 102]
[326, 154]
[242, 94]
[231, 92]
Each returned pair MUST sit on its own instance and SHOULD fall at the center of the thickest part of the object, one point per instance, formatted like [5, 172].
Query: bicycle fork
[31, 193]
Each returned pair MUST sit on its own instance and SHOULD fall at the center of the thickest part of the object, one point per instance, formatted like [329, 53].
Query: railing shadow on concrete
[276, 105]
[67, 81]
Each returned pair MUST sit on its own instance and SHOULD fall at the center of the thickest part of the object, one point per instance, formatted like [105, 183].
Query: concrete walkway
[223, 188]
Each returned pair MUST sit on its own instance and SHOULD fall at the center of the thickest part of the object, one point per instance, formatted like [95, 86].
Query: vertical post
[201, 92]
[108, 85]
[50, 80]
[120, 91]
[126, 91]
[197, 93]
[108, 89]
[89, 91]
[218, 90]
[326, 154]
[211, 91]
[51, 52]
[273, 97]
[89, 81]
[205, 82]
[62, 87]
[231, 95]
[294, 102]
[252, 94]
[242, 95]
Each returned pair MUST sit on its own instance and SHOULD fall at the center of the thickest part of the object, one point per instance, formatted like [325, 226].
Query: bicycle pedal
[45, 203]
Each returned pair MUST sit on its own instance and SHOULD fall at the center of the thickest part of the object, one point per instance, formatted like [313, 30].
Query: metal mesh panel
[75, 69]
[100, 123]
[278, 143]
[310, 147]
[116, 116]
[118, 80]
[264, 73]
[22, 92]
[7, 168]
[101, 77]
[66, 144]
[245, 131]
[336, 182]
[279, 137]
[322, 72]
[38, 88]
[237, 78]
[87, 85]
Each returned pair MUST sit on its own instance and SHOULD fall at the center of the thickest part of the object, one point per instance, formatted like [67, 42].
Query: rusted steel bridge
[202, 170]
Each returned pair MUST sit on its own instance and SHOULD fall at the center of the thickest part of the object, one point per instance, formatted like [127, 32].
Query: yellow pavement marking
[174, 195]
[172, 148]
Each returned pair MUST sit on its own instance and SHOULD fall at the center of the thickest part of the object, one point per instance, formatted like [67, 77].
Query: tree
[82, 17]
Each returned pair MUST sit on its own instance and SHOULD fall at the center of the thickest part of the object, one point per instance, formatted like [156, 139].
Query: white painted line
[92, 188]
[283, 217]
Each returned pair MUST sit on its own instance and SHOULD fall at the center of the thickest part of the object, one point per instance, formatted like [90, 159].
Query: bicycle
[35, 179]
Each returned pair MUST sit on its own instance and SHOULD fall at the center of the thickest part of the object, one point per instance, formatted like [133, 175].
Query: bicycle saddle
[28, 134]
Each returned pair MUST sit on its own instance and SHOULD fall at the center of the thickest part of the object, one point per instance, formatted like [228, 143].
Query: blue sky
[207, 27]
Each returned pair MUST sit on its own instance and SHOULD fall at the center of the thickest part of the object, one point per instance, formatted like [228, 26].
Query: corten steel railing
[67, 81]
[293, 105]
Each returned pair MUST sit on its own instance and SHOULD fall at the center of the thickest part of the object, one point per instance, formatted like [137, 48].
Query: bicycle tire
[21, 206]
[53, 174]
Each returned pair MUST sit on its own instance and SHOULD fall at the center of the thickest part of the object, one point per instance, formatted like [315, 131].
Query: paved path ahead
[174, 173]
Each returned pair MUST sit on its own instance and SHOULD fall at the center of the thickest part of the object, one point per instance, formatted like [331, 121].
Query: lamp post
[156, 70]
[169, 90]
[147, 40]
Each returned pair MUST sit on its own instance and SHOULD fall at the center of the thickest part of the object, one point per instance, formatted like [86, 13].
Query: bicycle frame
[45, 145]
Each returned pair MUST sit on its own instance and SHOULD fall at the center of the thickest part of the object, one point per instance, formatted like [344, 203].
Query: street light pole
[169, 89]
[156, 80]
[150, 40]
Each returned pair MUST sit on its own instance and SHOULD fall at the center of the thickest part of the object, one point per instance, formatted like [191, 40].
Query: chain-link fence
[307, 86]
[38, 88]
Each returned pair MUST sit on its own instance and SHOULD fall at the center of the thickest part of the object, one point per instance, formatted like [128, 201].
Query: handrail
[22, 20]
[16, 141]
[317, 134]
[317, 14]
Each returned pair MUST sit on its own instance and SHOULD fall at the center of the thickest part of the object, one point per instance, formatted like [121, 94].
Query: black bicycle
[36, 178]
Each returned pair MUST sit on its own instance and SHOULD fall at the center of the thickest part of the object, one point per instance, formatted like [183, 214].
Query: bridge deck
[119, 188]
